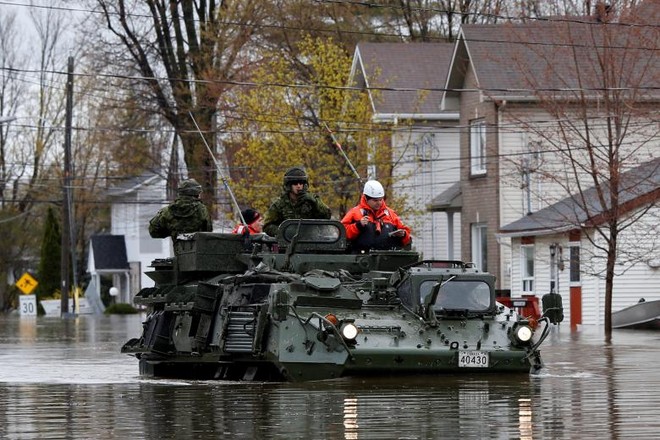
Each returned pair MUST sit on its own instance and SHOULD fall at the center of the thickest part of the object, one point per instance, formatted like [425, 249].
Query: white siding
[150, 201]
[515, 138]
[123, 215]
[130, 215]
[631, 283]
[641, 279]
[428, 164]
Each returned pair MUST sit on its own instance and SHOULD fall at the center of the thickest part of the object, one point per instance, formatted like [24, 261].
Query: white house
[133, 203]
[407, 79]
[558, 249]
[515, 84]
[107, 257]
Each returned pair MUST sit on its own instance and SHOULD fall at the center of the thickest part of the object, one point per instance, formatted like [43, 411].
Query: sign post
[27, 302]
[28, 305]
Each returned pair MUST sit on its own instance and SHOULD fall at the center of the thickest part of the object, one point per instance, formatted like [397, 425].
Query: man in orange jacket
[372, 225]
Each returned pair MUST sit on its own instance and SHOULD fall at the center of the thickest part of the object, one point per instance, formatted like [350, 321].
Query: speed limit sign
[28, 305]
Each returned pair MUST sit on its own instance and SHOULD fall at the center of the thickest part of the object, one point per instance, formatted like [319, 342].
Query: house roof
[128, 185]
[448, 200]
[638, 186]
[513, 60]
[109, 252]
[408, 76]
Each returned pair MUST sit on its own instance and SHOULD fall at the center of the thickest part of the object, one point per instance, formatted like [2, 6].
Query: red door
[576, 306]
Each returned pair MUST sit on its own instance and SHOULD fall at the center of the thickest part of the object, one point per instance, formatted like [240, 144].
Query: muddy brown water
[65, 379]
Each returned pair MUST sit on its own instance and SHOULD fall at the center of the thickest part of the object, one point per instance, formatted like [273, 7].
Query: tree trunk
[609, 283]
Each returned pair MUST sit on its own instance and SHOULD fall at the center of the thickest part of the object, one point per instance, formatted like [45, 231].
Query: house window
[527, 268]
[478, 147]
[575, 264]
[480, 246]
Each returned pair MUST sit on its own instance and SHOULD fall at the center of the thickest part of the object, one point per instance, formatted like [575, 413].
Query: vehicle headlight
[349, 331]
[524, 333]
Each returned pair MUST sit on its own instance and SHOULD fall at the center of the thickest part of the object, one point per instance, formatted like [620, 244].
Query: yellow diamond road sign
[26, 283]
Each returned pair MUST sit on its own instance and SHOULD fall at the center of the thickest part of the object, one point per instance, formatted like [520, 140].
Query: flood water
[65, 379]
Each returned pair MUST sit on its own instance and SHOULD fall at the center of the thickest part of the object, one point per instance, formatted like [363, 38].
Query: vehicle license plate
[472, 359]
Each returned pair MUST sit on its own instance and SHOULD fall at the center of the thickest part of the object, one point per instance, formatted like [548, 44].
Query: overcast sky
[70, 10]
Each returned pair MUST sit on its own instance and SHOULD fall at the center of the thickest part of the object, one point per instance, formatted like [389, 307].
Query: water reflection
[67, 379]
[350, 418]
[525, 419]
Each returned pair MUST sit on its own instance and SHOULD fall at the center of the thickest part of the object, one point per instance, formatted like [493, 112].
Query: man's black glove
[307, 198]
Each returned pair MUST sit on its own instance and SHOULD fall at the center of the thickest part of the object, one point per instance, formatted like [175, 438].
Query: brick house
[503, 80]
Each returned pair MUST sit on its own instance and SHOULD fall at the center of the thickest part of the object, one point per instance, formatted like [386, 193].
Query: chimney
[603, 12]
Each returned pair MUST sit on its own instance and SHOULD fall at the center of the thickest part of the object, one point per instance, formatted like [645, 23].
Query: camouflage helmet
[294, 174]
[189, 187]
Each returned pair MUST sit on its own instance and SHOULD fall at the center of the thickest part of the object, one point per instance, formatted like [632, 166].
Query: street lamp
[114, 293]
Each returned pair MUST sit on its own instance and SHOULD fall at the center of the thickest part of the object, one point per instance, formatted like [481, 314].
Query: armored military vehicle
[303, 307]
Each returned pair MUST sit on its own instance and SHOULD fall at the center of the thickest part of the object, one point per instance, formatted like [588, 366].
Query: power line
[368, 5]
[253, 84]
[552, 19]
[509, 127]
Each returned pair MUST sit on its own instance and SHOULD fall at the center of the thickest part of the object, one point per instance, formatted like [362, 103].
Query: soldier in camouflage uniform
[187, 213]
[295, 202]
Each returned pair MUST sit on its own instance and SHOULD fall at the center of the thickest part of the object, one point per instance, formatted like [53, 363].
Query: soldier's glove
[307, 198]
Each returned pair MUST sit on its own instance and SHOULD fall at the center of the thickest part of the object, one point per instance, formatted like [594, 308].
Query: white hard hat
[373, 189]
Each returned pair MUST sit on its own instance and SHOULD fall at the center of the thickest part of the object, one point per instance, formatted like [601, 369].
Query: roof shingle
[411, 75]
[560, 56]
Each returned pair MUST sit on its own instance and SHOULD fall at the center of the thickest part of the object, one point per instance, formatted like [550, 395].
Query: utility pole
[67, 214]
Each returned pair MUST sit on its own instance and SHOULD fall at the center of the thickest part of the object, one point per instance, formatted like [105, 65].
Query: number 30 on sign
[28, 305]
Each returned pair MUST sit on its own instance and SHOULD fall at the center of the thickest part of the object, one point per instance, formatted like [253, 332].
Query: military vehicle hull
[305, 308]
[379, 349]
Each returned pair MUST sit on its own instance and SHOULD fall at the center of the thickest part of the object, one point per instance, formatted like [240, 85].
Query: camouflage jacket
[307, 206]
[187, 214]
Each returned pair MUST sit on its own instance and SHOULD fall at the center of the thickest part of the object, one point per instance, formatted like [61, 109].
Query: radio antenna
[341, 150]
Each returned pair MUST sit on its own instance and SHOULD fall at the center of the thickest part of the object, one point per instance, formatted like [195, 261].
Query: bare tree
[30, 77]
[11, 91]
[180, 58]
[435, 20]
[47, 110]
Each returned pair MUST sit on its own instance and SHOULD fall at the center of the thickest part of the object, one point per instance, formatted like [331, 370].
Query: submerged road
[66, 379]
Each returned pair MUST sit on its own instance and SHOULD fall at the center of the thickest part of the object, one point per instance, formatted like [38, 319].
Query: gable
[559, 57]
[402, 78]
[127, 187]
